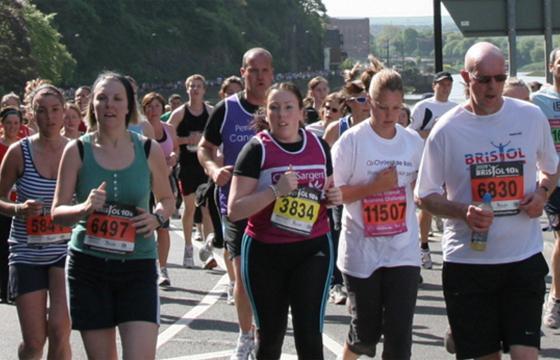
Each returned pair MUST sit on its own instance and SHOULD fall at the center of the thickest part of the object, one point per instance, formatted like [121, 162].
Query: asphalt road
[196, 322]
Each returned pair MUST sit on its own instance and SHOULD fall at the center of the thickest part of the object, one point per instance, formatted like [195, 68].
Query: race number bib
[298, 211]
[555, 129]
[502, 180]
[42, 231]
[111, 230]
[384, 214]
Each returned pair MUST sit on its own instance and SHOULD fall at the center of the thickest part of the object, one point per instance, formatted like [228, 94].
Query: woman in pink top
[153, 105]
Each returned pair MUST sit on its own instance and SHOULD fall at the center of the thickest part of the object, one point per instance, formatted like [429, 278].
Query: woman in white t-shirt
[375, 166]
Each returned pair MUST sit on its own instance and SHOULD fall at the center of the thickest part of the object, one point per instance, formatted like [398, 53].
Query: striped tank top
[31, 185]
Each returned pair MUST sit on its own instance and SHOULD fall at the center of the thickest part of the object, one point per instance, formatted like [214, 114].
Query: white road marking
[208, 301]
[221, 354]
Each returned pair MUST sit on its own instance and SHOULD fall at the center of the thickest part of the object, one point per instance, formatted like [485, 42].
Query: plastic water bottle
[479, 239]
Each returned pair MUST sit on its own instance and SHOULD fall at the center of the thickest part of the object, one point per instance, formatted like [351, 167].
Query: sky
[380, 8]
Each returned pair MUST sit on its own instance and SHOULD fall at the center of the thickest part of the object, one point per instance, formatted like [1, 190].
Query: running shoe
[188, 260]
[426, 258]
[449, 342]
[551, 316]
[338, 295]
[245, 347]
[206, 250]
[164, 278]
[230, 300]
[210, 263]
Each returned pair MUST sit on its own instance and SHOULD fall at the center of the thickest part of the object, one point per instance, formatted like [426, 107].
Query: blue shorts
[26, 278]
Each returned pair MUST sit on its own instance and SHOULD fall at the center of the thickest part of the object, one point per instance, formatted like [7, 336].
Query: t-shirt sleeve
[416, 117]
[431, 174]
[343, 160]
[327, 150]
[213, 126]
[547, 157]
[249, 160]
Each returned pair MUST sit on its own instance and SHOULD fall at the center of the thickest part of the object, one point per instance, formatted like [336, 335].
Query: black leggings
[282, 276]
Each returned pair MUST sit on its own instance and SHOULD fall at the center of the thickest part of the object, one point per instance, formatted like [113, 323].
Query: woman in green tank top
[112, 272]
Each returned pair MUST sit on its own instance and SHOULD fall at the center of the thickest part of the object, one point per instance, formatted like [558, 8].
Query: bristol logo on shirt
[556, 106]
[313, 178]
[501, 152]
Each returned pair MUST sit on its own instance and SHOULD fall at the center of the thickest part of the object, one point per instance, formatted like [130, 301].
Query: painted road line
[206, 303]
[221, 354]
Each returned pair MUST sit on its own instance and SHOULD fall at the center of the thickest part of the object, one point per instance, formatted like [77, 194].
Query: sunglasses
[331, 109]
[485, 79]
[359, 99]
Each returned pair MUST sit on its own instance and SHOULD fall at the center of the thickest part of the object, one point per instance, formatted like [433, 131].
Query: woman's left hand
[145, 222]
[334, 196]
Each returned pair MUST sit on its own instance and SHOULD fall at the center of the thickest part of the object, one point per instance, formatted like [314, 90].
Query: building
[355, 35]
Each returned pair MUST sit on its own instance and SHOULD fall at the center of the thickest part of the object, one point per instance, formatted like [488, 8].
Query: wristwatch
[160, 219]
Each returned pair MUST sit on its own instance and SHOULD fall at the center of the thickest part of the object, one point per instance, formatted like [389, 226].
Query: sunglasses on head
[359, 99]
[485, 79]
[331, 109]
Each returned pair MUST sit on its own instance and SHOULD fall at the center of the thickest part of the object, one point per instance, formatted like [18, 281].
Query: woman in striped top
[37, 247]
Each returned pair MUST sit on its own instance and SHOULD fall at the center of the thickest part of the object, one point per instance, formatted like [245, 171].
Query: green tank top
[130, 186]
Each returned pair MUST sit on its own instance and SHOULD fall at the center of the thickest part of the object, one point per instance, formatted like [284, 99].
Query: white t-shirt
[426, 112]
[468, 152]
[317, 128]
[357, 156]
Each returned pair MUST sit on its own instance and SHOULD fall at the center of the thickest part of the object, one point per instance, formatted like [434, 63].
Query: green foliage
[401, 41]
[53, 60]
[16, 63]
[169, 40]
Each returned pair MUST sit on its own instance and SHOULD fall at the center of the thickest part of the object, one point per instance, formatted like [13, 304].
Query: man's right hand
[479, 219]
[222, 176]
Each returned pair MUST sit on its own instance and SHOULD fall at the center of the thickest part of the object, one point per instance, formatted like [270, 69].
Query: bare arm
[331, 133]
[207, 151]
[533, 203]
[384, 181]
[476, 218]
[244, 201]
[145, 223]
[63, 211]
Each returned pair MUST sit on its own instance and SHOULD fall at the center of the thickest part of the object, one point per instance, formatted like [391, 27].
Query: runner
[174, 101]
[355, 96]
[72, 121]
[493, 288]
[424, 115]
[11, 119]
[105, 180]
[317, 90]
[375, 165]
[231, 85]
[229, 126]
[517, 89]
[287, 256]
[189, 121]
[548, 99]
[37, 247]
[153, 105]
[330, 111]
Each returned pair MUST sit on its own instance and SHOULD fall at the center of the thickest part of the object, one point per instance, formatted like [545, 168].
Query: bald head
[255, 52]
[483, 53]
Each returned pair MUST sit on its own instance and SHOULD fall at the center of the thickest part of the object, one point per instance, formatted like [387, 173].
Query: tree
[16, 63]
[53, 60]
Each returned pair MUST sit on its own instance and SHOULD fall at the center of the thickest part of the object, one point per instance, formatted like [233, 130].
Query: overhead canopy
[489, 17]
